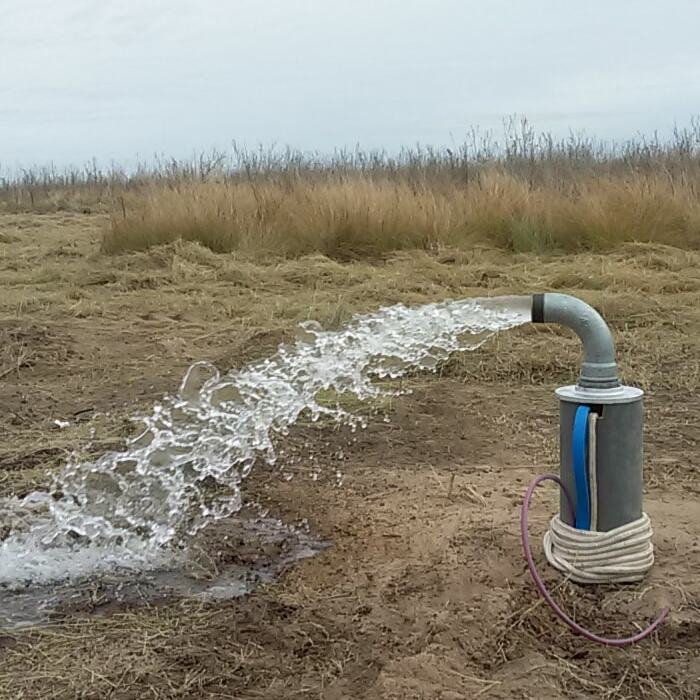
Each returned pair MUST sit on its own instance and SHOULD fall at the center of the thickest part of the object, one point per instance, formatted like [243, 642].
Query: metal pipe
[618, 455]
[598, 369]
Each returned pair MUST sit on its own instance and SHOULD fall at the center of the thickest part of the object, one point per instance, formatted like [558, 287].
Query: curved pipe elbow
[599, 368]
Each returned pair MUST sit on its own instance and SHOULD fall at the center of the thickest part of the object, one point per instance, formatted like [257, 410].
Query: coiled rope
[622, 555]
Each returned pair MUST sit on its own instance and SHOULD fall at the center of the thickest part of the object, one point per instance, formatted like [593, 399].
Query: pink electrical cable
[539, 583]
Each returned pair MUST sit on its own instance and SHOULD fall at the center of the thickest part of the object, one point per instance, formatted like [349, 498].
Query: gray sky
[130, 78]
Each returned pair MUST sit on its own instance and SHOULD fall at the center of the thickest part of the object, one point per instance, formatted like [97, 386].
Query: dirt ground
[424, 592]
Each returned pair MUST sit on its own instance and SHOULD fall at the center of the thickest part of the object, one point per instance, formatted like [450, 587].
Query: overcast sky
[130, 78]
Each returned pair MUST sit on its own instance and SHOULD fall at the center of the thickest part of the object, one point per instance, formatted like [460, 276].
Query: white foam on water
[133, 509]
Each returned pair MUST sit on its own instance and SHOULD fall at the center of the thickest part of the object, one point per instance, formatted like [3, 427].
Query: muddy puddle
[228, 561]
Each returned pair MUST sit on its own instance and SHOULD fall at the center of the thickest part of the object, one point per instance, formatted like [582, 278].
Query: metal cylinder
[618, 452]
[619, 464]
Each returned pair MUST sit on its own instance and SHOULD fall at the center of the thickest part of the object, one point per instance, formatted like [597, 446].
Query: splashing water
[134, 509]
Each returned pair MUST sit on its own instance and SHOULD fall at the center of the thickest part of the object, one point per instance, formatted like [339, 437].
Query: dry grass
[367, 216]
[524, 193]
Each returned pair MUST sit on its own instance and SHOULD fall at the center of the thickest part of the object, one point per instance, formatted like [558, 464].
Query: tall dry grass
[369, 216]
[527, 192]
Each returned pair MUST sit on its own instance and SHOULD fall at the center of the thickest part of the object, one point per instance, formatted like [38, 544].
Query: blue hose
[582, 517]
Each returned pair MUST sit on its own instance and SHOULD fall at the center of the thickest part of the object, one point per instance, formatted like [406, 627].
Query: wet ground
[250, 551]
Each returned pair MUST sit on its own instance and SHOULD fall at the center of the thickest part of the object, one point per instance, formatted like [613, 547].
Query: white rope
[592, 468]
[622, 555]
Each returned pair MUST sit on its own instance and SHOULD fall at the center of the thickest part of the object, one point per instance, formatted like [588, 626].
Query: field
[424, 592]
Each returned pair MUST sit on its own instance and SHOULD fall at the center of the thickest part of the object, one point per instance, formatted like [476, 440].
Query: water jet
[137, 509]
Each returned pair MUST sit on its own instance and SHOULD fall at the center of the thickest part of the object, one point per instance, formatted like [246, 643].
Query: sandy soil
[424, 592]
